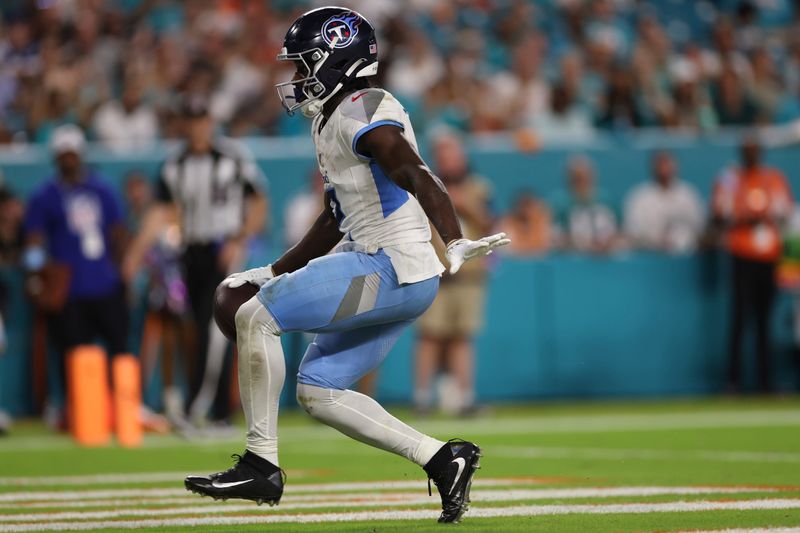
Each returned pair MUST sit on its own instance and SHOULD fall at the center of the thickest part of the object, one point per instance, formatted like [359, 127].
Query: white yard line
[615, 454]
[481, 512]
[290, 489]
[367, 500]
[91, 479]
[752, 530]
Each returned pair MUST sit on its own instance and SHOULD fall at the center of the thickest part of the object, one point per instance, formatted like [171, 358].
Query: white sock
[261, 373]
[362, 418]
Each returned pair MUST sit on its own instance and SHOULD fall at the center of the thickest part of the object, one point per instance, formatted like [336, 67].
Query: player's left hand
[462, 250]
[257, 276]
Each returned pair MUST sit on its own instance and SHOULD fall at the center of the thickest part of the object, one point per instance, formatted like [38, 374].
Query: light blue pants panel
[355, 304]
[336, 360]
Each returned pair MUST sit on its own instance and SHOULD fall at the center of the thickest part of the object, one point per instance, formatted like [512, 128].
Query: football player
[358, 301]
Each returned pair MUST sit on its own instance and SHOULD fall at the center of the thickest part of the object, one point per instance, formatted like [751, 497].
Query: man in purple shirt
[74, 220]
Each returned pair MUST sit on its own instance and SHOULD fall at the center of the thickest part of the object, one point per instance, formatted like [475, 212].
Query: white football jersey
[373, 211]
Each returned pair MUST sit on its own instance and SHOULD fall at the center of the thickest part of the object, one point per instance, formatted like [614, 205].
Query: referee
[212, 189]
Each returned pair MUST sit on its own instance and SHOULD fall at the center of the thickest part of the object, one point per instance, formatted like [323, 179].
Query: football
[226, 302]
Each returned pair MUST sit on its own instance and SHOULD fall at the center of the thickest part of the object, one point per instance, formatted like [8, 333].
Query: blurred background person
[528, 225]
[12, 213]
[128, 123]
[215, 192]
[138, 199]
[446, 331]
[665, 213]
[750, 203]
[11, 244]
[585, 221]
[564, 119]
[75, 220]
[162, 321]
[303, 208]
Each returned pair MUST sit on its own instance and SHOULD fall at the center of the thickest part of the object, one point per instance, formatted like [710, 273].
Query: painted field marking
[614, 454]
[372, 500]
[91, 479]
[290, 489]
[753, 530]
[479, 512]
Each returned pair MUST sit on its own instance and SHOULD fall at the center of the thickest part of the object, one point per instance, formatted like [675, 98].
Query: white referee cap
[67, 138]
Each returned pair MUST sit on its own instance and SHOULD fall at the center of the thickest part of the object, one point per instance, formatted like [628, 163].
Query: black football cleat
[251, 478]
[451, 470]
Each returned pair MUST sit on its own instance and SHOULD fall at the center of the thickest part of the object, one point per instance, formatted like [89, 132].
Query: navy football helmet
[331, 47]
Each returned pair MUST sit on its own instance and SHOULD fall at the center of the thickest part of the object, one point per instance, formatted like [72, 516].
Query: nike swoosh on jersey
[218, 485]
[461, 462]
[356, 97]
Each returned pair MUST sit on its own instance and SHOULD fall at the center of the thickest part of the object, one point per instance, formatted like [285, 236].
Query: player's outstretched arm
[400, 161]
[318, 241]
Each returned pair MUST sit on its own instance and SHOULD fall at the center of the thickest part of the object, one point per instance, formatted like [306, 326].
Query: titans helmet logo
[339, 31]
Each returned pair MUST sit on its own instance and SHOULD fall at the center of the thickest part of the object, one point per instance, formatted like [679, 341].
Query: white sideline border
[312, 501]
[481, 512]
[746, 530]
[616, 454]
[63, 495]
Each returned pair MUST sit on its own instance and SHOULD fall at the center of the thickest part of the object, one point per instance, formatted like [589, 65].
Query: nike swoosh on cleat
[461, 462]
[356, 97]
[230, 484]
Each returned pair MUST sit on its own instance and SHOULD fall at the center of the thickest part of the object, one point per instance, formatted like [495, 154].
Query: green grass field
[682, 465]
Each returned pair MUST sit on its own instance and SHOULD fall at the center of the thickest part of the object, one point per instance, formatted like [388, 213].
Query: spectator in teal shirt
[584, 220]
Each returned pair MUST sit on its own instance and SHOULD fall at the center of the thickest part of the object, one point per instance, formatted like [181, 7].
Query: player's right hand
[257, 276]
[461, 250]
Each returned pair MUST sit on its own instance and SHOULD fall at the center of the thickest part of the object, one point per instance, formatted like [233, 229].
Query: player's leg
[328, 289]
[334, 361]
[341, 355]
[256, 475]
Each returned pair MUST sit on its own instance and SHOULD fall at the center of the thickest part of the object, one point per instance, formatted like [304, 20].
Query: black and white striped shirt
[210, 189]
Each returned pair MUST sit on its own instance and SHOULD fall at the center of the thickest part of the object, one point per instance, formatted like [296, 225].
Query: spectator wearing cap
[665, 213]
[74, 222]
[216, 193]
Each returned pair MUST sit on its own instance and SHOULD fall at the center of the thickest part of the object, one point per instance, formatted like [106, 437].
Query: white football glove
[257, 276]
[461, 250]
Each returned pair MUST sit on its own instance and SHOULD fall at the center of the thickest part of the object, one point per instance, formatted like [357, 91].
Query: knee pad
[253, 316]
[314, 399]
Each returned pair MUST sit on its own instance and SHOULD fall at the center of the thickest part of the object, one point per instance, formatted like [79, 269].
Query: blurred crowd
[563, 68]
[124, 72]
[749, 215]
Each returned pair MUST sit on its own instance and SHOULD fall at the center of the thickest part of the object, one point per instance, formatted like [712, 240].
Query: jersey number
[336, 207]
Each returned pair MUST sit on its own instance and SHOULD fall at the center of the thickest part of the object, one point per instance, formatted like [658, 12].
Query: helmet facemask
[308, 93]
[303, 92]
